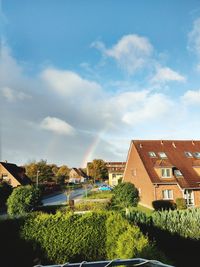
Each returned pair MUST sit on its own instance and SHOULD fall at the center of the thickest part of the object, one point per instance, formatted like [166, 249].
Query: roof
[17, 172]
[176, 158]
[80, 172]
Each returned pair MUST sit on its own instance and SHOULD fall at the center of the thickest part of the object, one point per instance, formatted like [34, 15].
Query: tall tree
[97, 169]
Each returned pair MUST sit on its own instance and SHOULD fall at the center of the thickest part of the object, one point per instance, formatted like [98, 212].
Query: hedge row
[93, 236]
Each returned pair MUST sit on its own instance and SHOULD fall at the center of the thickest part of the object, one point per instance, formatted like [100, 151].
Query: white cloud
[68, 83]
[57, 126]
[12, 95]
[164, 74]
[194, 37]
[131, 52]
[191, 97]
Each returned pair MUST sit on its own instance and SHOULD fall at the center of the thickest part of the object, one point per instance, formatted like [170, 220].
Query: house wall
[197, 198]
[114, 180]
[136, 173]
[177, 192]
[10, 179]
[74, 174]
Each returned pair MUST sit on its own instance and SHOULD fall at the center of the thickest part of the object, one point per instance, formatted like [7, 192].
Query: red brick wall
[137, 174]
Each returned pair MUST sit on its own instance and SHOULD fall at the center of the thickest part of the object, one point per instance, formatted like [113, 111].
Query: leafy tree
[5, 191]
[23, 199]
[125, 195]
[45, 170]
[97, 169]
[62, 173]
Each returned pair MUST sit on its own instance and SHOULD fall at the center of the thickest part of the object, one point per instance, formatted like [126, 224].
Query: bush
[5, 191]
[181, 204]
[23, 199]
[125, 195]
[164, 205]
[91, 237]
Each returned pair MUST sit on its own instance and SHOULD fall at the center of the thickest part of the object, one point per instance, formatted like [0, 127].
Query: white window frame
[167, 194]
[165, 172]
[189, 197]
[178, 173]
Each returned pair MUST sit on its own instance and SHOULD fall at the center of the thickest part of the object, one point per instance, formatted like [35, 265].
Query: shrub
[5, 191]
[181, 204]
[163, 205]
[125, 195]
[23, 199]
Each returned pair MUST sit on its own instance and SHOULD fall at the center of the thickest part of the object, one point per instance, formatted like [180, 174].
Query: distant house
[165, 170]
[115, 172]
[13, 174]
[77, 175]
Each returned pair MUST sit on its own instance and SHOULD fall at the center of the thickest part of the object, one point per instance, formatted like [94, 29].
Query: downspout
[155, 196]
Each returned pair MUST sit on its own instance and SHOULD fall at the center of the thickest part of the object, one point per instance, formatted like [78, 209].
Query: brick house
[115, 172]
[13, 174]
[167, 169]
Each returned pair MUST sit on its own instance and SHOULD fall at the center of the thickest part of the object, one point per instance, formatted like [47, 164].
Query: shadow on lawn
[183, 252]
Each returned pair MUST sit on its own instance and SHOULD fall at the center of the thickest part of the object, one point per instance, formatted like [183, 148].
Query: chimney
[173, 144]
[193, 143]
[161, 142]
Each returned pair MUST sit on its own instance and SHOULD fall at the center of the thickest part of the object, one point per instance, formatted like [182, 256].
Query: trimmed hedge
[92, 236]
[164, 205]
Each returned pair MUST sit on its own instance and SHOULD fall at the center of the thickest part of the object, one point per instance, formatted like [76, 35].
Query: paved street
[62, 197]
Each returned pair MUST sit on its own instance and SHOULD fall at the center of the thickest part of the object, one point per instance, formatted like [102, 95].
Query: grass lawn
[99, 195]
[143, 209]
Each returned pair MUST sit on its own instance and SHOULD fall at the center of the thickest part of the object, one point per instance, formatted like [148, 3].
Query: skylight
[197, 155]
[162, 155]
[152, 154]
[177, 173]
[188, 154]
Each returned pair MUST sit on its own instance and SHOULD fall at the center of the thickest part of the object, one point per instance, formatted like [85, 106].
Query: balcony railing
[118, 262]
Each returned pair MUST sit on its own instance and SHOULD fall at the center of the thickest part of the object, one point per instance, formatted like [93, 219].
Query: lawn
[99, 195]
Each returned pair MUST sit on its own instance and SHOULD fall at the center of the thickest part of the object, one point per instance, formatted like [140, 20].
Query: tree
[97, 169]
[23, 199]
[45, 170]
[62, 173]
[5, 191]
[125, 195]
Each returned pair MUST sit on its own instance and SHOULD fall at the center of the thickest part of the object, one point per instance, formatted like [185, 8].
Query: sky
[80, 79]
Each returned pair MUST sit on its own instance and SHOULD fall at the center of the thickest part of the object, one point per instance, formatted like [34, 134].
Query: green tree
[62, 174]
[5, 191]
[23, 199]
[125, 195]
[97, 169]
[44, 170]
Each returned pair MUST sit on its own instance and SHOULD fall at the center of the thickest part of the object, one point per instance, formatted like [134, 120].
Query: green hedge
[164, 205]
[92, 236]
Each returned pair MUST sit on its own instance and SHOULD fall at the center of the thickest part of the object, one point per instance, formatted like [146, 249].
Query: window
[188, 154]
[167, 194]
[162, 155]
[4, 176]
[114, 175]
[152, 154]
[177, 173]
[166, 172]
[197, 155]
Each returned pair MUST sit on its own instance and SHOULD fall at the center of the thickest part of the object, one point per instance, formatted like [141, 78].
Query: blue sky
[80, 79]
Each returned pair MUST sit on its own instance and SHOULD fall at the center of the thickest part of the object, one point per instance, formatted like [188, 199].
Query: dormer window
[152, 154]
[166, 173]
[196, 155]
[162, 155]
[188, 154]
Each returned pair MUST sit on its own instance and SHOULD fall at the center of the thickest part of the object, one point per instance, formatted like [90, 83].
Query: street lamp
[37, 177]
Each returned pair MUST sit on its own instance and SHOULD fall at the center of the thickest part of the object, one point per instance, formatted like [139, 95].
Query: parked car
[104, 187]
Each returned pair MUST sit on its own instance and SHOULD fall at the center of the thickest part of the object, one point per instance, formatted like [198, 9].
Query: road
[62, 197]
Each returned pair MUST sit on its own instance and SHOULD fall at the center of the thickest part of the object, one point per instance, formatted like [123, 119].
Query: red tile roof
[176, 158]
